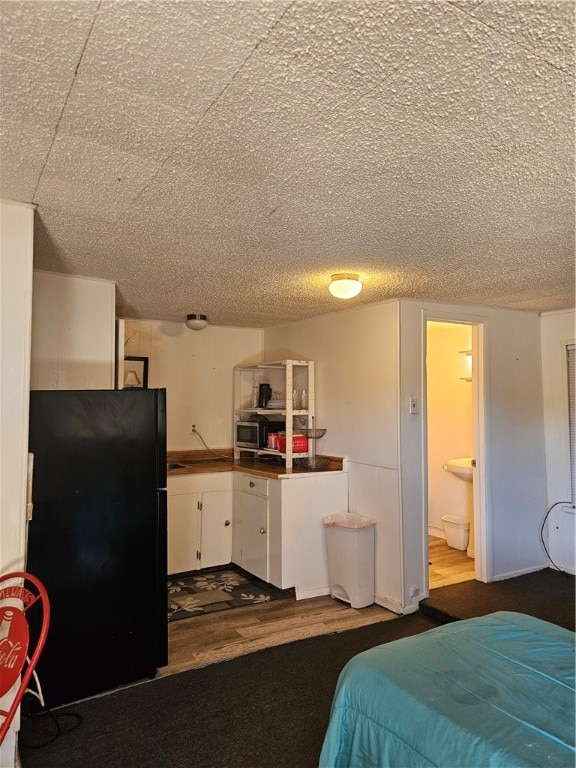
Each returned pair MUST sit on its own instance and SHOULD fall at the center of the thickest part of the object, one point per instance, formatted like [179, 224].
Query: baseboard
[521, 572]
[394, 605]
[304, 594]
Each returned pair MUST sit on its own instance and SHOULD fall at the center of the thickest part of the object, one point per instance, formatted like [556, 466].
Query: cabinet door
[237, 529]
[216, 538]
[254, 534]
[183, 532]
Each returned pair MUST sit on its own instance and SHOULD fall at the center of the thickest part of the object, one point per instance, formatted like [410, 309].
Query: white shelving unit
[284, 377]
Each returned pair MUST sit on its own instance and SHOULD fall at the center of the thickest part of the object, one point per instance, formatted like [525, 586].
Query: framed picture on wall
[135, 373]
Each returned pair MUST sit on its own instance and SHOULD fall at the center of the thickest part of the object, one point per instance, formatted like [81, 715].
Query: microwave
[254, 434]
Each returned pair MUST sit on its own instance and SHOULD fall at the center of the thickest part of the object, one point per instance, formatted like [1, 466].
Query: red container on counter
[299, 443]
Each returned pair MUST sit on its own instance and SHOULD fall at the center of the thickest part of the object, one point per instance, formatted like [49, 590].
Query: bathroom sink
[462, 468]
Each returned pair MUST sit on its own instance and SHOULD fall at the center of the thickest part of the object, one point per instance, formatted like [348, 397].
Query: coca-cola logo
[18, 593]
[14, 638]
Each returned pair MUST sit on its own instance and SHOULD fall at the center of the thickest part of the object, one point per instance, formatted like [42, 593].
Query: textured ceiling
[227, 156]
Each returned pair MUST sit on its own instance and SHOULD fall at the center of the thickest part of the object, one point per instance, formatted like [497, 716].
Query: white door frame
[482, 519]
[16, 246]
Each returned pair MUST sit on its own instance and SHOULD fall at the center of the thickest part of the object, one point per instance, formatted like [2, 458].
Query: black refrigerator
[98, 537]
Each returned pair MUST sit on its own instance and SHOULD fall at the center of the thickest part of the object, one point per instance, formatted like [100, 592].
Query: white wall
[364, 381]
[558, 330]
[196, 368]
[356, 368]
[514, 465]
[17, 227]
[355, 354]
[72, 332]
[16, 241]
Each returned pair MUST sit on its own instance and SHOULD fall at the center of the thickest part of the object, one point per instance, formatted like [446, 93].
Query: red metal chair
[19, 592]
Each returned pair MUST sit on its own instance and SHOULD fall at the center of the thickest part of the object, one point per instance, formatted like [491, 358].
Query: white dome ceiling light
[345, 285]
[196, 322]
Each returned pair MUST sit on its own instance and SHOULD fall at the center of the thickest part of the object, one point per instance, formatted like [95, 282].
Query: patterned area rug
[221, 590]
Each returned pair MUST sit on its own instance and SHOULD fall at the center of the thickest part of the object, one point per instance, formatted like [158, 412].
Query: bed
[492, 691]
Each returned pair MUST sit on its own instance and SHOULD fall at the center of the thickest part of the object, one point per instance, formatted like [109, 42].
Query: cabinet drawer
[253, 484]
[205, 481]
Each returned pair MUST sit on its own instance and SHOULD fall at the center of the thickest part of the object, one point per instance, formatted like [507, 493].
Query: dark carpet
[546, 594]
[268, 709]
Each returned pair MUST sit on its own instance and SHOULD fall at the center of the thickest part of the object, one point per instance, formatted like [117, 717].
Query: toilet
[456, 530]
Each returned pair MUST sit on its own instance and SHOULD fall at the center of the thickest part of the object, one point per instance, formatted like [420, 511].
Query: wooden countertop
[201, 462]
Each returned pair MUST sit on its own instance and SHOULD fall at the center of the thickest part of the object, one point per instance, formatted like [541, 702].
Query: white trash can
[350, 547]
[456, 530]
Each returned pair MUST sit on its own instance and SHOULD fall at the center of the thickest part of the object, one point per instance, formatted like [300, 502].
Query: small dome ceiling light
[345, 285]
[196, 322]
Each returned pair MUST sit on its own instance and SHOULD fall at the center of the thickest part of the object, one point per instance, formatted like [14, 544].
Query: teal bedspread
[492, 691]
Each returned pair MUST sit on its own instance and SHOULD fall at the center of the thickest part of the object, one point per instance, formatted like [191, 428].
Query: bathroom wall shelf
[468, 353]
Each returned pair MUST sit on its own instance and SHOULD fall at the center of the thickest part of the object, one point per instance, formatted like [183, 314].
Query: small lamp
[345, 285]
[196, 322]
[132, 380]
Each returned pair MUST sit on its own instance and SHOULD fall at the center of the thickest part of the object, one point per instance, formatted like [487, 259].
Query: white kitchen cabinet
[285, 377]
[216, 528]
[183, 532]
[72, 332]
[199, 521]
[278, 530]
[250, 530]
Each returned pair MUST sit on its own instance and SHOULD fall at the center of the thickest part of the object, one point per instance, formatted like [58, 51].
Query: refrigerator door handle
[30, 477]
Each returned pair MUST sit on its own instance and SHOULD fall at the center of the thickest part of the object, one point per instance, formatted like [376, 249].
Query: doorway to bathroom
[451, 432]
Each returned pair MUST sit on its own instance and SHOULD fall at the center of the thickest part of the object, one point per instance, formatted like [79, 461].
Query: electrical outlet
[193, 428]
[413, 591]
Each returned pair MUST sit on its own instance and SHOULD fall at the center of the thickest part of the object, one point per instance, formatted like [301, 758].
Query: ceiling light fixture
[196, 322]
[345, 285]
